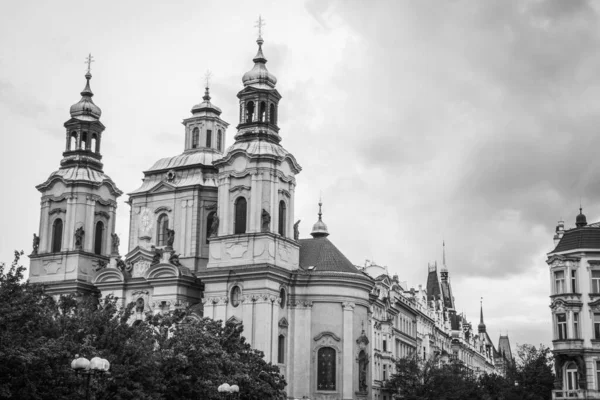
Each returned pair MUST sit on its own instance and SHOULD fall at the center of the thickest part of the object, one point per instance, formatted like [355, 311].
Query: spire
[206, 106]
[481, 326]
[581, 220]
[444, 270]
[319, 228]
[85, 109]
[259, 76]
[207, 77]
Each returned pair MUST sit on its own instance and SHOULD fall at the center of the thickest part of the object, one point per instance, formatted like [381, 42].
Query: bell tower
[78, 207]
[256, 182]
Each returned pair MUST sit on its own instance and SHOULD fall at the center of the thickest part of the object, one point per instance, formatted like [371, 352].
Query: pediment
[283, 323]
[162, 187]
[560, 260]
[109, 275]
[138, 254]
[234, 320]
[327, 334]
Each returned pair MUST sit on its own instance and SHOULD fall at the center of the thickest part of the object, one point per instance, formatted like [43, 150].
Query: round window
[282, 298]
[235, 296]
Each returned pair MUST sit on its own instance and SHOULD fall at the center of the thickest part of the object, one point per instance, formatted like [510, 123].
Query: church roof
[79, 174]
[433, 284]
[188, 158]
[321, 254]
[587, 237]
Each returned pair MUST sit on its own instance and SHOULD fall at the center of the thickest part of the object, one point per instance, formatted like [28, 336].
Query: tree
[167, 356]
[431, 379]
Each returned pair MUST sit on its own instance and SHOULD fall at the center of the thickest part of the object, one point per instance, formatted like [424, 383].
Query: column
[347, 354]
[256, 204]
[275, 329]
[45, 231]
[291, 217]
[301, 332]
[274, 203]
[69, 222]
[181, 244]
[220, 308]
[90, 231]
[262, 329]
[253, 197]
[225, 222]
[247, 317]
[110, 229]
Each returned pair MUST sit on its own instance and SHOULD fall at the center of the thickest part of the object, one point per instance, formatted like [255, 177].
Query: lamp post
[89, 368]
[229, 390]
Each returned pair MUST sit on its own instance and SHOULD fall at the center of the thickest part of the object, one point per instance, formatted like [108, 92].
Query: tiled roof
[433, 285]
[324, 256]
[587, 237]
[186, 159]
[504, 347]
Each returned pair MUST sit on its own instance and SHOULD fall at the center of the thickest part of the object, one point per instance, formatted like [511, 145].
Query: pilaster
[248, 318]
[291, 217]
[275, 328]
[253, 196]
[274, 204]
[225, 207]
[45, 231]
[301, 333]
[347, 353]
[112, 222]
[90, 205]
[68, 227]
[263, 329]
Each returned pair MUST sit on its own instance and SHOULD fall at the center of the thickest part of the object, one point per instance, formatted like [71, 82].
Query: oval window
[235, 296]
[282, 298]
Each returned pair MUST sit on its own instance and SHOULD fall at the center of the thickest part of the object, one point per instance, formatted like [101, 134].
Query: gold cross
[207, 77]
[89, 60]
[259, 24]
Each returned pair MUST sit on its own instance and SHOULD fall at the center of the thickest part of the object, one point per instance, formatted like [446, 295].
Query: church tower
[78, 208]
[256, 182]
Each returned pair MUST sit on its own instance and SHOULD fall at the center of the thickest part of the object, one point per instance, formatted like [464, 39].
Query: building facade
[575, 306]
[212, 230]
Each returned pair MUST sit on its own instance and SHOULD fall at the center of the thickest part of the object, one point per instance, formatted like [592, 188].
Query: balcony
[575, 394]
[567, 344]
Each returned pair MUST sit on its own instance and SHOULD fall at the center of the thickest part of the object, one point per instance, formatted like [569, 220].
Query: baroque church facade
[212, 230]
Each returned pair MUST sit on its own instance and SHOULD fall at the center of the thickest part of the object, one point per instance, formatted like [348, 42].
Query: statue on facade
[170, 237]
[266, 220]
[121, 264]
[101, 265]
[214, 228]
[174, 259]
[36, 244]
[296, 230]
[79, 233]
[157, 256]
[115, 243]
[362, 372]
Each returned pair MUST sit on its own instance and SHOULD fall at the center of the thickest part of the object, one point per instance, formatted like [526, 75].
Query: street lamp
[85, 367]
[229, 390]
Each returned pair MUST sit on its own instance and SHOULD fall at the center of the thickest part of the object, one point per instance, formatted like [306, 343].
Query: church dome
[206, 105]
[319, 228]
[581, 220]
[85, 108]
[259, 76]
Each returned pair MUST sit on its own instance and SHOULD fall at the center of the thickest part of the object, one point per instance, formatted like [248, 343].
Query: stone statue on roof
[36, 244]
[297, 230]
[115, 243]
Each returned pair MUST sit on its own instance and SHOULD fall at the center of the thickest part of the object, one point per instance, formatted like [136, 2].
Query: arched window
[73, 141]
[98, 237]
[57, 233]
[250, 111]
[195, 138]
[272, 114]
[209, 222]
[209, 138]
[262, 116]
[326, 368]
[163, 225]
[571, 378]
[240, 215]
[83, 142]
[219, 140]
[281, 349]
[236, 293]
[282, 217]
[94, 143]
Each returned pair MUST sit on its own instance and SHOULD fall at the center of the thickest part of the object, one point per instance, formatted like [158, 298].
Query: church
[212, 230]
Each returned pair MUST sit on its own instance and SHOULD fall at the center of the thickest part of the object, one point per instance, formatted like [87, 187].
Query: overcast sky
[473, 122]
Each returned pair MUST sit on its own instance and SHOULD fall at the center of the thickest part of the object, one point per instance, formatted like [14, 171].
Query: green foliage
[529, 378]
[171, 356]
